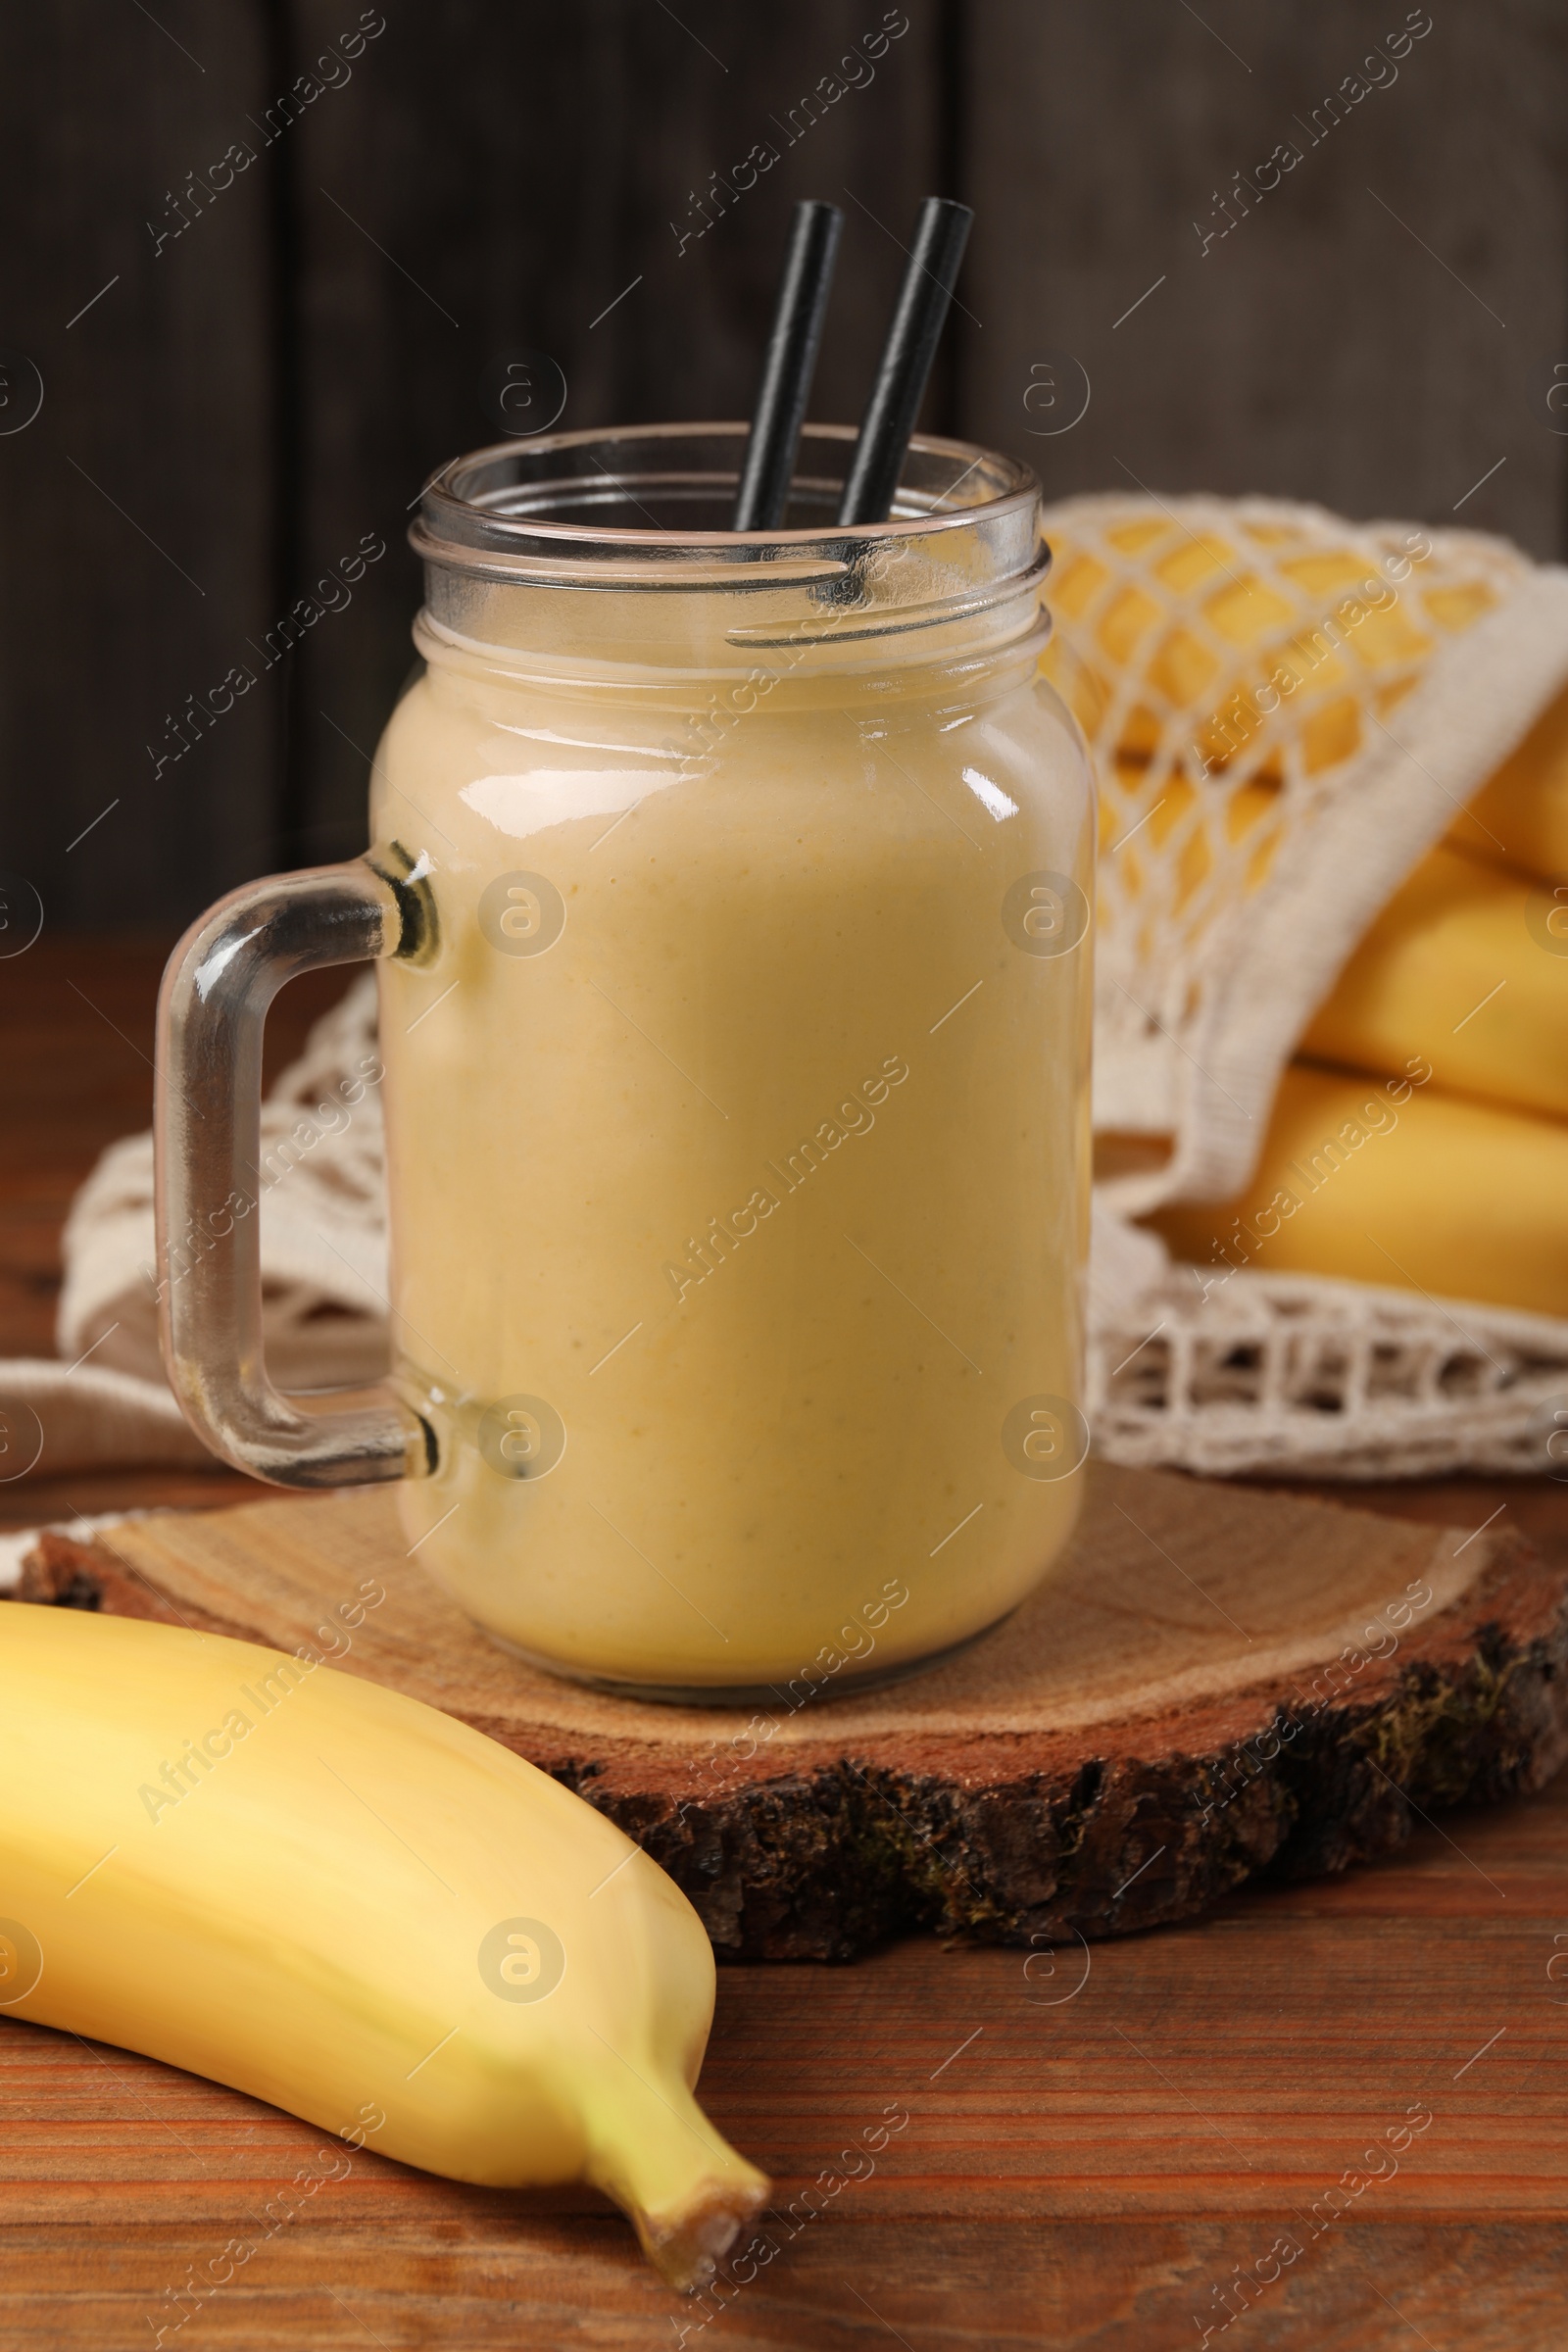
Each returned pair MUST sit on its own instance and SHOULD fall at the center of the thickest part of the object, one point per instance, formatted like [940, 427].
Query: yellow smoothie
[737, 1138]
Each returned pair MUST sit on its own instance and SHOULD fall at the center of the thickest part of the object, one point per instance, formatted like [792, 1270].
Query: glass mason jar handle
[211, 1008]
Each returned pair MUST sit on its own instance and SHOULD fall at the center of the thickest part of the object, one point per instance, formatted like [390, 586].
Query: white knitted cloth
[1287, 710]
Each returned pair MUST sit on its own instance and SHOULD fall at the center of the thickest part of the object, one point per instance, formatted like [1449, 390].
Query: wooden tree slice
[1219, 1684]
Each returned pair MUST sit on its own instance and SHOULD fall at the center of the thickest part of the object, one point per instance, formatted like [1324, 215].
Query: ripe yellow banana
[1519, 817]
[1467, 969]
[351, 1905]
[1391, 1182]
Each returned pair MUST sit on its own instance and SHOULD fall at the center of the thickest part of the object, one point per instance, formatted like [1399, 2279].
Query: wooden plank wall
[1375, 332]
[256, 395]
[138, 511]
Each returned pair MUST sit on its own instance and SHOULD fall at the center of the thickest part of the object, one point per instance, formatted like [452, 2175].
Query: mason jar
[731, 896]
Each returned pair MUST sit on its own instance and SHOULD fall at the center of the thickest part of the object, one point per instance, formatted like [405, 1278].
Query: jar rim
[511, 511]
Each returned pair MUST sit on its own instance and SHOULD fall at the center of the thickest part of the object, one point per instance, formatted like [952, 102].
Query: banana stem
[687, 2193]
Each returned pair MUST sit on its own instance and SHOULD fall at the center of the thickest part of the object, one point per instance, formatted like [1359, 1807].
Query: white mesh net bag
[1287, 710]
[324, 1224]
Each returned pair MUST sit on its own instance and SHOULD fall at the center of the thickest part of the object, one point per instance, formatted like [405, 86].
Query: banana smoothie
[738, 1136]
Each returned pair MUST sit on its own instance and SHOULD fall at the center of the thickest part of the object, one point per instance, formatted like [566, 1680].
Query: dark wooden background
[234, 412]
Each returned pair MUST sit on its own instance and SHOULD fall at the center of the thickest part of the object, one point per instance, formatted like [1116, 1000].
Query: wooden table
[1099, 2145]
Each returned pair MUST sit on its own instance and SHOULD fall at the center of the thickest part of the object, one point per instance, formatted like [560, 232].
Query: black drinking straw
[939, 236]
[788, 369]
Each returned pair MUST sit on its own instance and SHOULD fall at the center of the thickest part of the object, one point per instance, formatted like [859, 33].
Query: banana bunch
[348, 1905]
[1420, 1140]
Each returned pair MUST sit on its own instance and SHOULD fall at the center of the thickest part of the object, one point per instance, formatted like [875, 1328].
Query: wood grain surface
[1090, 2161]
[1350, 334]
[143, 507]
[1212, 1685]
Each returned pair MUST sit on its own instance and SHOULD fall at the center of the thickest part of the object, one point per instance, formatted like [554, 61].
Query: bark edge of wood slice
[1219, 1684]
